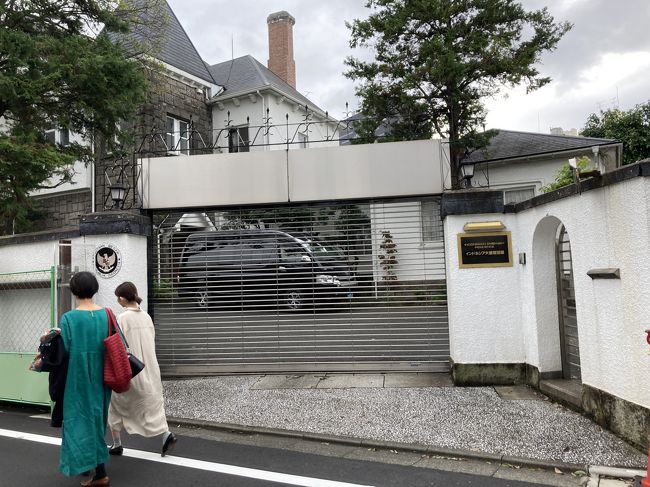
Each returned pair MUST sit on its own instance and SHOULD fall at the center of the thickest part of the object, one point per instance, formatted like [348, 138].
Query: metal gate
[567, 308]
[317, 287]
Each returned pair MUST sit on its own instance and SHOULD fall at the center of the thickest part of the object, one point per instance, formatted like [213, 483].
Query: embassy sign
[492, 249]
[108, 260]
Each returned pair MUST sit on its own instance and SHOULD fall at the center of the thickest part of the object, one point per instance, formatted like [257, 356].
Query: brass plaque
[492, 249]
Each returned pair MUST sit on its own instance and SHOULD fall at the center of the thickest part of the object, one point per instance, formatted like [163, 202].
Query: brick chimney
[281, 46]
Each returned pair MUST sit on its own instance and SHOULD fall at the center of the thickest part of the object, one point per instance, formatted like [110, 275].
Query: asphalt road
[28, 459]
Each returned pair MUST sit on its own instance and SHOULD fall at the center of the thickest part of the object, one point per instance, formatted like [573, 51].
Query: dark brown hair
[84, 285]
[128, 291]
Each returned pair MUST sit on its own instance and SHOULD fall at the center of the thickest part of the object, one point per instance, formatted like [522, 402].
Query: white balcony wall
[327, 173]
[214, 180]
[366, 171]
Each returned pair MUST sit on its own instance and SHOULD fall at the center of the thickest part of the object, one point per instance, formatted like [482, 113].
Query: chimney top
[280, 16]
[281, 62]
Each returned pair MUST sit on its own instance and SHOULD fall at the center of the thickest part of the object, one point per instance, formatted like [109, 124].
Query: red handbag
[117, 369]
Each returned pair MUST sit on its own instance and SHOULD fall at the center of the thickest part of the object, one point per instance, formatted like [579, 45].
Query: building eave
[269, 88]
[548, 154]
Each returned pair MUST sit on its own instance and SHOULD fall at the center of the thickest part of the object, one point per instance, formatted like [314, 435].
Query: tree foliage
[437, 60]
[56, 71]
[632, 127]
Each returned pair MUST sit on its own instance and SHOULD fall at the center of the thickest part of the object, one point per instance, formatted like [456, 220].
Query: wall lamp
[118, 191]
[467, 172]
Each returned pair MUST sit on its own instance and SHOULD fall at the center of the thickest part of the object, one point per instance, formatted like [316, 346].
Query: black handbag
[136, 364]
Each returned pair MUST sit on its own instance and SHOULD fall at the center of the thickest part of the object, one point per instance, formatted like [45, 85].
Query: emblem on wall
[108, 260]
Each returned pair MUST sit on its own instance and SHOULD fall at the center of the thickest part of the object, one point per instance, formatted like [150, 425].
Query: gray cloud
[599, 27]
[321, 44]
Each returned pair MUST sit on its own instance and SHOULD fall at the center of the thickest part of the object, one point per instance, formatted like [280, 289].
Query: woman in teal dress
[86, 399]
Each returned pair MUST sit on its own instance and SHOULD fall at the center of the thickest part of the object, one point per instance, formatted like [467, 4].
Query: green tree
[564, 175]
[632, 127]
[56, 71]
[436, 60]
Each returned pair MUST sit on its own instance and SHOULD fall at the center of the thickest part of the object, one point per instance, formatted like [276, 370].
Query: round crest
[108, 260]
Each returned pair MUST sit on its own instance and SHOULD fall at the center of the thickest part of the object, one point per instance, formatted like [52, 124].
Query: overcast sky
[603, 62]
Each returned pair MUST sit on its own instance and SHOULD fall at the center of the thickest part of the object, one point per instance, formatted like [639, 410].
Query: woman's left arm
[66, 334]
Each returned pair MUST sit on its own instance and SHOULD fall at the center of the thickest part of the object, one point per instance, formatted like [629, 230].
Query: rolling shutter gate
[302, 288]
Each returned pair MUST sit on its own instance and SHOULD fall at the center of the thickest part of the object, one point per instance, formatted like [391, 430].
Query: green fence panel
[20, 384]
[27, 310]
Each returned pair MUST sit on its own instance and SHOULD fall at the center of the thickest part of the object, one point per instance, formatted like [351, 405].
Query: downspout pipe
[266, 136]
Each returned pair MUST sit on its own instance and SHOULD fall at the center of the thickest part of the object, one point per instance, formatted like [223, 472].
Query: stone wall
[63, 210]
[168, 96]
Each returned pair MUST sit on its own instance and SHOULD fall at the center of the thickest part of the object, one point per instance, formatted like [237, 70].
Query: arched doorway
[569, 343]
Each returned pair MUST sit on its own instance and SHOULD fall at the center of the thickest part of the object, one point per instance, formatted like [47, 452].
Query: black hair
[84, 285]
[128, 291]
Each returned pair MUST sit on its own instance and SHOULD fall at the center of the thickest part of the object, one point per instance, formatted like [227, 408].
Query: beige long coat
[141, 409]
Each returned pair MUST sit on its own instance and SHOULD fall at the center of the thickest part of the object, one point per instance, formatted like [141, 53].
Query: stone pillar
[114, 247]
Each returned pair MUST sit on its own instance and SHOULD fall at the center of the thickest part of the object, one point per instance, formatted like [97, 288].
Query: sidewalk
[417, 409]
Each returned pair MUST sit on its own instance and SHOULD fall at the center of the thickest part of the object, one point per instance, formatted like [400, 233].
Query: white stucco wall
[520, 174]
[28, 257]
[43, 255]
[509, 314]
[133, 250]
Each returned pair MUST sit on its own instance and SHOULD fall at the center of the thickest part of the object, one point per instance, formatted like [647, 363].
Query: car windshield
[322, 250]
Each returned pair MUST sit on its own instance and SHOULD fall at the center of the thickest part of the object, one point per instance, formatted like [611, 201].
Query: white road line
[252, 473]
[41, 416]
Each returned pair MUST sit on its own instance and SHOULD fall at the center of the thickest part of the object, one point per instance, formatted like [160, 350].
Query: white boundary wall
[43, 255]
[510, 314]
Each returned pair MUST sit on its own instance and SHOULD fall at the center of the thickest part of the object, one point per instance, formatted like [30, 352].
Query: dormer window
[177, 137]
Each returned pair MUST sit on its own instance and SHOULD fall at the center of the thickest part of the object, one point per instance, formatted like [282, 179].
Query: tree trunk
[455, 156]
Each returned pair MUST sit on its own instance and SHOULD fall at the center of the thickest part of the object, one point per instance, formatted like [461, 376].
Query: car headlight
[325, 279]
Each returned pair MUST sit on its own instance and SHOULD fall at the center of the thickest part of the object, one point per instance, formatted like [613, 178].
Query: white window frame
[178, 139]
[58, 136]
[518, 188]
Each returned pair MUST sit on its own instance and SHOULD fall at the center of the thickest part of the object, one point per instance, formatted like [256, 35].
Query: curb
[384, 445]
[626, 473]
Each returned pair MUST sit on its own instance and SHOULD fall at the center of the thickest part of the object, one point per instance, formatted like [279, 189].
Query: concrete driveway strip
[512, 423]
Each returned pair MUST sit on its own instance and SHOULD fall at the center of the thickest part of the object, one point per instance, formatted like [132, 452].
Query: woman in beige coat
[140, 410]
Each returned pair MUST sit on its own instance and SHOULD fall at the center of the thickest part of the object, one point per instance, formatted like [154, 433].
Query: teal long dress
[86, 399]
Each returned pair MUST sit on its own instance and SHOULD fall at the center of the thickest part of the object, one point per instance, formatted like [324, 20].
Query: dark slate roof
[509, 144]
[348, 132]
[246, 74]
[172, 43]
